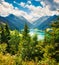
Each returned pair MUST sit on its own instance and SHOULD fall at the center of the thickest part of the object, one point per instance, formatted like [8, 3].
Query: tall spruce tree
[7, 33]
[2, 35]
[26, 40]
[7, 37]
[25, 32]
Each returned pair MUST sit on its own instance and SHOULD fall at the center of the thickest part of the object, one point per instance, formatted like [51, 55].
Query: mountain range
[15, 22]
[44, 22]
[18, 22]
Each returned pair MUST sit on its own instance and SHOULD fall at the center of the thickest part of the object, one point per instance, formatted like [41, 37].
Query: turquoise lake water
[40, 34]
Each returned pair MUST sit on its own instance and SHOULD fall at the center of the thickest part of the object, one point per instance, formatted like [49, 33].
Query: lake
[40, 34]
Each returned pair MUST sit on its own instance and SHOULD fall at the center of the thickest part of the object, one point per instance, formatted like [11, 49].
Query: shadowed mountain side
[44, 22]
[18, 23]
[15, 22]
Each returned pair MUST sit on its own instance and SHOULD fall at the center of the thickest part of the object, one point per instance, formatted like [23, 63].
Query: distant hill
[40, 21]
[44, 22]
[15, 22]
[18, 23]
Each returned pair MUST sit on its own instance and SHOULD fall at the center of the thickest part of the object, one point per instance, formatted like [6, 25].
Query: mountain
[39, 21]
[15, 22]
[18, 23]
[43, 22]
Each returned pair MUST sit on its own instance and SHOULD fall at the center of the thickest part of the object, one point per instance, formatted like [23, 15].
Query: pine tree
[7, 33]
[7, 37]
[25, 32]
[25, 43]
[14, 43]
[35, 40]
[2, 35]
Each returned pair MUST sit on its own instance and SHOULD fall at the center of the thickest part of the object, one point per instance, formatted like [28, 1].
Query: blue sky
[36, 3]
[30, 9]
[16, 4]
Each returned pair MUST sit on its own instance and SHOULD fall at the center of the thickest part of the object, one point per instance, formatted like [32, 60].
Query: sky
[30, 9]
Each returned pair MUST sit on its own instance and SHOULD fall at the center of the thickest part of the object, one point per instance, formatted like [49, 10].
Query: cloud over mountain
[53, 4]
[50, 7]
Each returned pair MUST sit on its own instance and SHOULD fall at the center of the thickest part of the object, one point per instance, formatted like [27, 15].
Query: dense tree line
[23, 49]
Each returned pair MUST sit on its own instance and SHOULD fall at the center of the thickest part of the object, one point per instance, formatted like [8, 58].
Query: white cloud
[29, 2]
[22, 4]
[1, 1]
[53, 4]
[43, 4]
[14, 1]
[57, 1]
[35, 11]
[5, 9]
